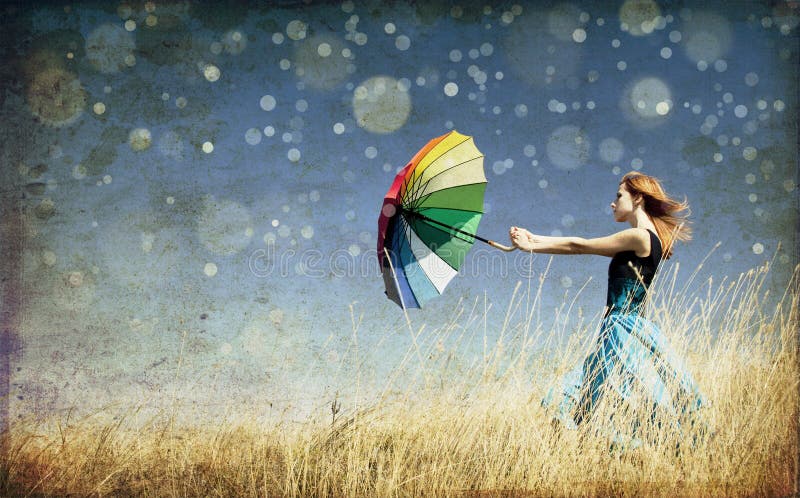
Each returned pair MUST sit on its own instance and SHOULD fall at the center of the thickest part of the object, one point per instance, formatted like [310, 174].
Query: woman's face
[622, 206]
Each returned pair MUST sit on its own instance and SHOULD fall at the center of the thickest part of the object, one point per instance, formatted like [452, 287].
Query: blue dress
[631, 357]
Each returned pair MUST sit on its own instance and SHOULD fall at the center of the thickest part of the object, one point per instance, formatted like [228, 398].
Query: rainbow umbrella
[429, 218]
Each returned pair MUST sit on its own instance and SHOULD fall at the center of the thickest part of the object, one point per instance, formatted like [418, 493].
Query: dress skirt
[632, 359]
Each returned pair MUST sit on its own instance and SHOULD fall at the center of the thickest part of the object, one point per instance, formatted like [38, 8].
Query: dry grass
[461, 428]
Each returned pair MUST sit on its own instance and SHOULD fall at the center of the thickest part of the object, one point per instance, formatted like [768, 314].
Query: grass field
[461, 428]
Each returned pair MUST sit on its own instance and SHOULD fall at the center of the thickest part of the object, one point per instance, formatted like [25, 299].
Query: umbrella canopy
[429, 218]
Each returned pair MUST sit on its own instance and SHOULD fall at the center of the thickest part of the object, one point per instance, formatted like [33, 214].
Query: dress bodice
[629, 277]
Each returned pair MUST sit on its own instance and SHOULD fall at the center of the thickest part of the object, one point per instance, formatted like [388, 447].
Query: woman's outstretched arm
[632, 239]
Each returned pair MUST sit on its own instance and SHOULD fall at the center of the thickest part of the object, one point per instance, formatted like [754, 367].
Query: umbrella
[429, 218]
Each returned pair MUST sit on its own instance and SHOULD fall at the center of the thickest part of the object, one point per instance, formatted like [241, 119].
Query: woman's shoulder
[636, 235]
[639, 240]
[652, 243]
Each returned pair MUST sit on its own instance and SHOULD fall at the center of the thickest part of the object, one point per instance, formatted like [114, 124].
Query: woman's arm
[632, 239]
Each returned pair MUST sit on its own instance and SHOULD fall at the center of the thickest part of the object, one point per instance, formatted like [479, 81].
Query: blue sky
[200, 184]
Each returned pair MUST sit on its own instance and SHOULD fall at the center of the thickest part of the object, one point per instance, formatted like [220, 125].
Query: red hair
[669, 215]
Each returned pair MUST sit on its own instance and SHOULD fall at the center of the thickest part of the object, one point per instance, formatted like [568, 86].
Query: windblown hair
[669, 215]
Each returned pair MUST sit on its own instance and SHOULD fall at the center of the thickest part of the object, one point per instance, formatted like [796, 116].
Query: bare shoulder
[638, 239]
[639, 233]
[631, 239]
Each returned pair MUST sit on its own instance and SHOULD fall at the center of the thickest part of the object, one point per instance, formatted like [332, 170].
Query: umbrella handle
[476, 236]
[501, 246]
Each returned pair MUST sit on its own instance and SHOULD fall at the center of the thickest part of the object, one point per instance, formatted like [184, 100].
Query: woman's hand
[521, 238]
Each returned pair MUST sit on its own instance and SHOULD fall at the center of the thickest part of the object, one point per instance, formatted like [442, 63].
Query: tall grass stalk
[454, 420]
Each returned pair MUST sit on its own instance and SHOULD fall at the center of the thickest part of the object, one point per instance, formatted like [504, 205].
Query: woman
[630, 354]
